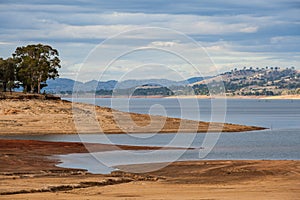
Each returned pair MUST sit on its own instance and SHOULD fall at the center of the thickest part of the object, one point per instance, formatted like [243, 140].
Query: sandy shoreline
[291, 97]
[39, 117]
[297, 96]
[27, 172]
[32, 156]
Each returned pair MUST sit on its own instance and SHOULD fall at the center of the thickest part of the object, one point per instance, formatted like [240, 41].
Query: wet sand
[27, 172]
[31, 156]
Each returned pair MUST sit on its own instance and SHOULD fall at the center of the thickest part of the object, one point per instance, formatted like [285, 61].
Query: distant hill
[246, 81]
[60, 84]
[197, 79]
[253, 81]
[152, 90]
[134, 83]
[66, 85]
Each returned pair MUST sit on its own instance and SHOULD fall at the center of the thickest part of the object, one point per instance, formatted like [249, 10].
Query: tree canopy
[36, 64]
[30, 66]
[7, 73]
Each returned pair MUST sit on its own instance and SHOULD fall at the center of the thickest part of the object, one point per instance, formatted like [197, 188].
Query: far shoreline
[287, 97]
[235, 97]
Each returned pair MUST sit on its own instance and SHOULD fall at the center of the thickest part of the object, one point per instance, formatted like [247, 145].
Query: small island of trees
[29, 67]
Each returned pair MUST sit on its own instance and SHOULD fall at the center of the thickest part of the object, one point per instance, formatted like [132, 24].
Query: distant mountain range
[66, 85]
[247, 81]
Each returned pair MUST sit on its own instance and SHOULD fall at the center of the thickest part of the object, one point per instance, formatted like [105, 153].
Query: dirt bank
[218, 180]
[27, 172]
[35, 116]
[30, 156]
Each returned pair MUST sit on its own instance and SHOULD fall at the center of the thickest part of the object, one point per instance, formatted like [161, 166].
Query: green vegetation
[30, 67]
[152, 90]
[7, 74]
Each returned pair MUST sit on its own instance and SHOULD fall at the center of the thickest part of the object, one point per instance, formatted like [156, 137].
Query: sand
[284, 97]
[31, 174]
[291, 97]
[28, 171]
[38, 117]
[31, 156]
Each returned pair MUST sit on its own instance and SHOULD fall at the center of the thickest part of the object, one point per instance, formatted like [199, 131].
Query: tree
[36, 64]
[7, 74]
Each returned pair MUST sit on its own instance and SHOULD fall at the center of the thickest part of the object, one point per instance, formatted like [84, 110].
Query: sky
[112, 39]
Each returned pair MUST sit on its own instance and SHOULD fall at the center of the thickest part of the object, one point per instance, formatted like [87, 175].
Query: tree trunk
[32, 87]
[4, 86]
[32, 83]
[39, 87]
[39, 84]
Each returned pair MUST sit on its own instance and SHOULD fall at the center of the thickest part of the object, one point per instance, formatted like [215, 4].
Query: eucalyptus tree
[7, 74]
[36, 64]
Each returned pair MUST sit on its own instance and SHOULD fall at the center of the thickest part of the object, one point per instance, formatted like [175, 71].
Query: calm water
[281, 141]
[275, 114]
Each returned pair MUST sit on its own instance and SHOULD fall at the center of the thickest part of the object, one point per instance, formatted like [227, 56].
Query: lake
[281, 141]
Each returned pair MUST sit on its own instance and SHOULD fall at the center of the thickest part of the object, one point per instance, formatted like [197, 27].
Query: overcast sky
[233, 33]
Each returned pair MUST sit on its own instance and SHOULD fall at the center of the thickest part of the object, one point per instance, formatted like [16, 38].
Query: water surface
[281, 141]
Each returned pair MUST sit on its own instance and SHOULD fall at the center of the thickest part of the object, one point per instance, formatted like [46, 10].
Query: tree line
[29, 67]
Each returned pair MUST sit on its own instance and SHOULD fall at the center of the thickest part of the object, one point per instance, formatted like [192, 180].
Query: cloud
[113, 23]
[163, 43]
[5, 43]
[233, 32]
[251, 29]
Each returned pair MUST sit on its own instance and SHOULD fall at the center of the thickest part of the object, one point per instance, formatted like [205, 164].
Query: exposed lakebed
[280, 142]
